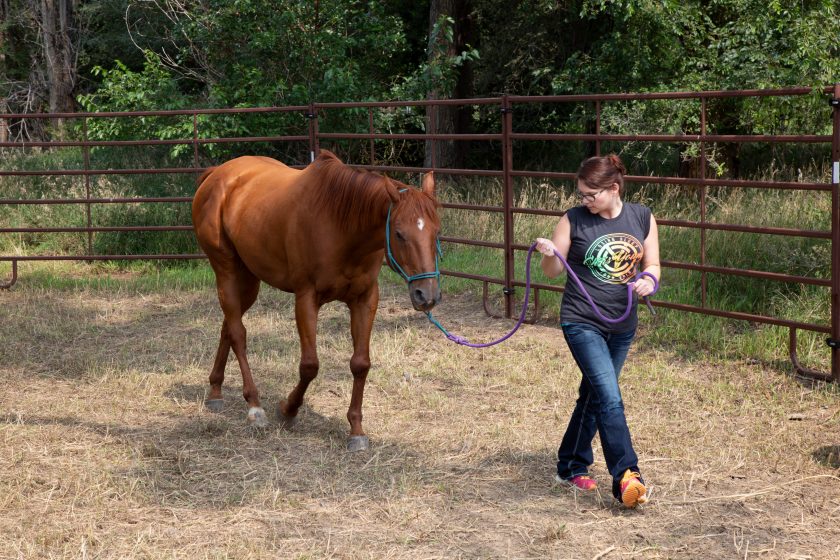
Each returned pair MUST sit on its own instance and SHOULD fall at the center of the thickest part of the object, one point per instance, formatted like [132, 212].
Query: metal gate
[504, 137]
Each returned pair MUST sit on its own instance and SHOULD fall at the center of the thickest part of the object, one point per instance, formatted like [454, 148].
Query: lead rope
[464, 342]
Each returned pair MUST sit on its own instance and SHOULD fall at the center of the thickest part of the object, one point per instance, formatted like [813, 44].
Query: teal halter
[395, 266]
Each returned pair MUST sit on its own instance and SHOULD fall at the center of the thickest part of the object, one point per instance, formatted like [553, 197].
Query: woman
[605, 241]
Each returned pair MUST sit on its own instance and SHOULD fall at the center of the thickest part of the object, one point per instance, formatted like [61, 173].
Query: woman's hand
[644, 286]
[545, 246]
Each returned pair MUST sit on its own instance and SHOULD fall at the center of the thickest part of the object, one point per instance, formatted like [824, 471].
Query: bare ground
[106, 450]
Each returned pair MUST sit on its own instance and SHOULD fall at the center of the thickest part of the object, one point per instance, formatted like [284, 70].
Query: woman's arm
[561, 240]
[650, 262]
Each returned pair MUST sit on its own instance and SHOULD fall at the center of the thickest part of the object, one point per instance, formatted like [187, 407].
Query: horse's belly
[276, 273]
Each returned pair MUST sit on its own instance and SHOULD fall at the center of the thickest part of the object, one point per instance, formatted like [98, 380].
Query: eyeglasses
[588, 197]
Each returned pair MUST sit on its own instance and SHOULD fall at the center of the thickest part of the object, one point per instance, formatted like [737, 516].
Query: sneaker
[581, 482]
[633, 491]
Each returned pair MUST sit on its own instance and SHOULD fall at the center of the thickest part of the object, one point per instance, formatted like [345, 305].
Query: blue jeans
[600, 357]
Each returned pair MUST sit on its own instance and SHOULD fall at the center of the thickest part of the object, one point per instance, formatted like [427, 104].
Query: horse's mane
[355, 198]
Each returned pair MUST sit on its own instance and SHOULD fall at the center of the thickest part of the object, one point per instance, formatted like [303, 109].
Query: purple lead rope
[463, 341]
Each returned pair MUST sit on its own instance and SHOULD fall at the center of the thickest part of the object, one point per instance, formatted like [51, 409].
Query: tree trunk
[449, 119]
[60, 49]
[4, 100]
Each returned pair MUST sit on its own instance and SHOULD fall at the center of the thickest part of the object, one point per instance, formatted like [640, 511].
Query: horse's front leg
[306, 318]
[362, 314]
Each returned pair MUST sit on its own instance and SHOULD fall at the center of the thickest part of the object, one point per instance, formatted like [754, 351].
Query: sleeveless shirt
[605, 254]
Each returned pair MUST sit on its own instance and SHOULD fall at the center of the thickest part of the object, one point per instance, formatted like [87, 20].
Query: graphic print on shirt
[612, 258]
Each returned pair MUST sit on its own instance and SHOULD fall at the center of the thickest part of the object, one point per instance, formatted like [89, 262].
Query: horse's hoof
[214, 405]
[257, 418]
[286, 422]
[357, 443]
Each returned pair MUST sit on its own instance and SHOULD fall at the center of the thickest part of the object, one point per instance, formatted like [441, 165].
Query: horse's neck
[371, 237]
[359, 222]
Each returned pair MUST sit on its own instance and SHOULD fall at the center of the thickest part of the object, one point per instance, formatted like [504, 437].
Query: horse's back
[231, 184]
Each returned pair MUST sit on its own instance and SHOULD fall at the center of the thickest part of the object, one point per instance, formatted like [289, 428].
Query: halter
[395, 266]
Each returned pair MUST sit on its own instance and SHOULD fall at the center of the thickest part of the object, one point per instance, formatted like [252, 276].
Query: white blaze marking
[420, 224]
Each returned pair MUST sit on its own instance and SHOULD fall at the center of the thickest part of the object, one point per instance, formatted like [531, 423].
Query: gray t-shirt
[605, 254]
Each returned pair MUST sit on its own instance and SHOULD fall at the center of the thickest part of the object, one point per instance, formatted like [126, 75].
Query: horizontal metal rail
[94, 229]
[678, 138]
[168, 142]
[143, 257]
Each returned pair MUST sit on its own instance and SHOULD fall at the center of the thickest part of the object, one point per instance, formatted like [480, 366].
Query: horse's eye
[400, 236]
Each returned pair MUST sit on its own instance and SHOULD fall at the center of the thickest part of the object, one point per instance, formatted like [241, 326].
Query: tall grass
[101, 215]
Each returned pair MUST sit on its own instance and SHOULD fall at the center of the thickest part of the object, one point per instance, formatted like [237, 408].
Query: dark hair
[600, 172]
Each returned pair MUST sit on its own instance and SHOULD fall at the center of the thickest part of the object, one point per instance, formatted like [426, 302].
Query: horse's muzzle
[424, 294]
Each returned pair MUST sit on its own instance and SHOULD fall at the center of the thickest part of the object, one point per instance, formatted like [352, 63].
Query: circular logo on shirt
[612, 258]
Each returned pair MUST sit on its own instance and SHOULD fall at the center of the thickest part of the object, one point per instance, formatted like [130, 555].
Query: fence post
[702, 200]
[834, 341]
[86, 159]
[195, 142]
[312, 115]
[597, 129]
[507, 165]
[370, 129]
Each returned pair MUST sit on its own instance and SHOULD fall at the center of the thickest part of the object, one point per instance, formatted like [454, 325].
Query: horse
[321, 233]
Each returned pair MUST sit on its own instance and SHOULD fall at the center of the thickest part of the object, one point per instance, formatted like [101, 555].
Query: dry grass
[106, 450]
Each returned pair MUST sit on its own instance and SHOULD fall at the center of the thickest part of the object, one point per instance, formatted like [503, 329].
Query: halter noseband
[395, 266]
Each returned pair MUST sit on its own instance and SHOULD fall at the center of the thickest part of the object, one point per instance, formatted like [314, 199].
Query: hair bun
[616, 161]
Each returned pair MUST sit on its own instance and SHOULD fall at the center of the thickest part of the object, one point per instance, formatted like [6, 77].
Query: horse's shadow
[235, 408]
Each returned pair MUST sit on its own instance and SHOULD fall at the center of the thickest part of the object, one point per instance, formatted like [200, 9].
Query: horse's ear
[429, 183]
[393, 193]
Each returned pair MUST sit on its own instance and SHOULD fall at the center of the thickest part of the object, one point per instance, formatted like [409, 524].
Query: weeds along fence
[749, 221]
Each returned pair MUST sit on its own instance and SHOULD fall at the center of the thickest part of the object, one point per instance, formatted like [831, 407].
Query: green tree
[263, 52]
[603, 46]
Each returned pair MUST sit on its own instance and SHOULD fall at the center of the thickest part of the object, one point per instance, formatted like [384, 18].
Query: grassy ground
[107, 452]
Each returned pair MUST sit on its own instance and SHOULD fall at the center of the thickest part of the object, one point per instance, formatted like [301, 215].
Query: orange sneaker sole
[633, 493]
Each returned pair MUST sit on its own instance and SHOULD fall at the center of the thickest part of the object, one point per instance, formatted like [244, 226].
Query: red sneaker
[633, 491]
[581, 482]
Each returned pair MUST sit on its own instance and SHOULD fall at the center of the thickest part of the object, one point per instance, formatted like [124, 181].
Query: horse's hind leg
[306, 318]
[214, 400]
[249, 287]
[238, 290]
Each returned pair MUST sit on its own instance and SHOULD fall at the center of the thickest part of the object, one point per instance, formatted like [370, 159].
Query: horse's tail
[203, 176]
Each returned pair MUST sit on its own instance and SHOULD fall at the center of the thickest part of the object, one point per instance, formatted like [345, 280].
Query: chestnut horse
[319, 233]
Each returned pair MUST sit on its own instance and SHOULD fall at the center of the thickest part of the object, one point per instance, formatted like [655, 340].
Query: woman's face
[596, 200]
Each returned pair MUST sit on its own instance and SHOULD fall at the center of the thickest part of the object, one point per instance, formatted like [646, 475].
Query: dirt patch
[107, 452]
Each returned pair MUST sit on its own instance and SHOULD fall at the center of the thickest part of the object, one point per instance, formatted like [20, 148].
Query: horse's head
[412, 245]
